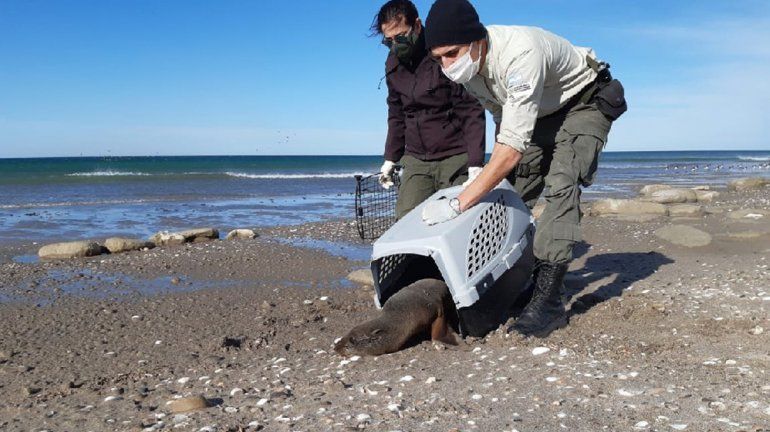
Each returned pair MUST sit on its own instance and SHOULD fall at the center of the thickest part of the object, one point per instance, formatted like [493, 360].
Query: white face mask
[464, 68]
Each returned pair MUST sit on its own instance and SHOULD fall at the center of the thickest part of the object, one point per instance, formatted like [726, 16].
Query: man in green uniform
[553, 104]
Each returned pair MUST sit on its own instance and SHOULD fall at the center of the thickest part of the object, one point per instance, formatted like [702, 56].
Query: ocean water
[74, 198]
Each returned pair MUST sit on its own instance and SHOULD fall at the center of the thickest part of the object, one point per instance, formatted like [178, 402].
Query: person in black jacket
[436, 130]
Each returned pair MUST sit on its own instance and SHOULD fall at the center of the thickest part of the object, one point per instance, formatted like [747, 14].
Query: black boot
[545, 312]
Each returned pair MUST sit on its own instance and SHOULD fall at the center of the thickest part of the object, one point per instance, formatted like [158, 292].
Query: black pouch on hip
[611, 99]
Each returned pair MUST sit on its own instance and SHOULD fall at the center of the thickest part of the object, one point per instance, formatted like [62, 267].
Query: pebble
[112, 398]
[261, 402]
[758, 330]
[183, 380]
[540, 350]
[641, 425]
[191, 403]
[406, 378]
[231, 410]
[236, 391]
[430, 380]
[181, 418]
[477, 397]
[679, 426]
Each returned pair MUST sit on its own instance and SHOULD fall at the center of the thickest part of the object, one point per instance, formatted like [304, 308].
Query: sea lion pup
[419, 308]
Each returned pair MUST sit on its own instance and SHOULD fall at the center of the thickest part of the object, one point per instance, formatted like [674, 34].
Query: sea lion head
[359, 341]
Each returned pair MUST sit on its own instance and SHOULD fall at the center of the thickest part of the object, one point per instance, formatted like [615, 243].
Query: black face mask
[405, 47]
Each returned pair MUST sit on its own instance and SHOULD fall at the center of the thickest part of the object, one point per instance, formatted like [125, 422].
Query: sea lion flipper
[441, 332]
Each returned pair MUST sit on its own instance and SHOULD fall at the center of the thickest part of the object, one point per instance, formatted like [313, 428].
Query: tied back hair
[390, 11]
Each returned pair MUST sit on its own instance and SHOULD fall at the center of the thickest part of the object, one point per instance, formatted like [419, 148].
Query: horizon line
[333, 155]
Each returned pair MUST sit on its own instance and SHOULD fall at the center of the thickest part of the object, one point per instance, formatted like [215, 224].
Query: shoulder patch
[516, 84]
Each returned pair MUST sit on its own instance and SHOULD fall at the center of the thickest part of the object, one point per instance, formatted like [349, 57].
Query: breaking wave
[108, 174]
[755, 158]
[294, 176]
[78, 203]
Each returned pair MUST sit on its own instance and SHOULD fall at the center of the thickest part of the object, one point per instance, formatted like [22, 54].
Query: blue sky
[142, 77]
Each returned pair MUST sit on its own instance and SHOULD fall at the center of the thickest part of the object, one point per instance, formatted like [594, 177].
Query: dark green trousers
[562, 158]
[421, 179]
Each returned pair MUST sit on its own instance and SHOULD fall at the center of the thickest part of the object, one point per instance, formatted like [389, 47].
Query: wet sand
[661, 337]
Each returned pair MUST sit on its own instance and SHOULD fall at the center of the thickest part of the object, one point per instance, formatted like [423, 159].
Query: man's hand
[473, 172]
[440, 210]
[386, 174]
[504, 159]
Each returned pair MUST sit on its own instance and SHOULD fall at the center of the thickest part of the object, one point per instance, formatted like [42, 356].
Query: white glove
[386, 172]
[440, 210]
[473, 172]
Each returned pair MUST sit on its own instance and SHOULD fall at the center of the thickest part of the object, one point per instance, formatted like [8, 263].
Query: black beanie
[452, 22]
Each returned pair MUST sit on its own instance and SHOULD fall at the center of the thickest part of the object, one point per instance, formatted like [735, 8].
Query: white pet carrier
[484, 256]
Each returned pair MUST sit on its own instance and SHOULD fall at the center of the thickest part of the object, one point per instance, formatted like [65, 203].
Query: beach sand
[662, 337]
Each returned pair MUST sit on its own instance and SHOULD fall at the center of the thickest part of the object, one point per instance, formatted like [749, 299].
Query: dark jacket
[429, 116]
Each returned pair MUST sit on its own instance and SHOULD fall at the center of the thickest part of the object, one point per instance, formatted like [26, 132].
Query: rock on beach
[652, 188]
[748, 214]
[118, 244]
[748, 183]
[673, 196]
[241, 234]
[66, 250]
[165, 238]
[684, 235]
[612, 206]
[200, 234]
[706, 196]
[685, 210]
[187, 404]
[362, 276]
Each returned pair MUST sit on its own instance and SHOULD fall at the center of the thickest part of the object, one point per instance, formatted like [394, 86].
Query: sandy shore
[662, 337]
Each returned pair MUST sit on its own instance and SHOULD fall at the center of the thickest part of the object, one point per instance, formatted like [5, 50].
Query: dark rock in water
[70, 250]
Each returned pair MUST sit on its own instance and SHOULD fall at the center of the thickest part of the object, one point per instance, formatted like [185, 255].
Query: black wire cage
[375, 205]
